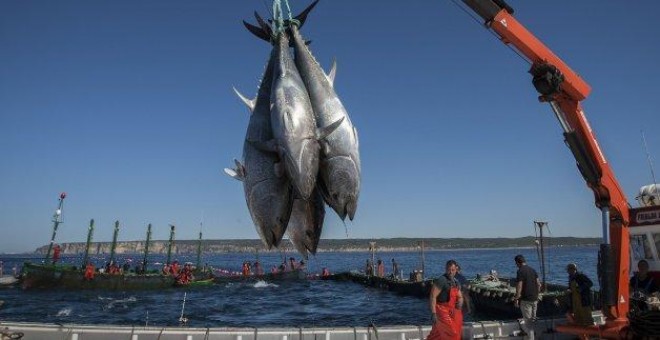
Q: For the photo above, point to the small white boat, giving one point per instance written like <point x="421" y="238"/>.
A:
<point x="8" y="280"/>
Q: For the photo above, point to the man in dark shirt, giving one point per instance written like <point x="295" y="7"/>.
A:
<point x="641" y="286"/>
<point x="528" y="286"/>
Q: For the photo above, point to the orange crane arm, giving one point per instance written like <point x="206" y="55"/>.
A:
<point x="564" y="89"/>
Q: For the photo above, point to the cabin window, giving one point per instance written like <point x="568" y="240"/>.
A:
<point x="641" y="247"/>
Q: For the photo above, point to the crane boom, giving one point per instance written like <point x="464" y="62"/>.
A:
<point x="564" y="89"/>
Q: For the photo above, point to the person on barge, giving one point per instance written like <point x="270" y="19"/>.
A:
<point x="580" y="301"/>
<point x="528" y="287"/>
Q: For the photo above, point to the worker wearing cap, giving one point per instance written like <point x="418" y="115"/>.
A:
<point x="580" y="301"/>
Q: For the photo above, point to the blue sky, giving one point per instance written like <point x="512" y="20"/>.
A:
<point x="127" y="106"/>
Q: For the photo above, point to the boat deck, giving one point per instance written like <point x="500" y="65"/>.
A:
<point x="473" y="330"/>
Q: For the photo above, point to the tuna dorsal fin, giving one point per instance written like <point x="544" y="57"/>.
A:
<point x="257" y="31"/>
<point x="322" y="133"/>
<point x="265" y="146"/>
<point x="233" y="174"/>
<point x="333" y="72"/>
<point x="249" y="102"/>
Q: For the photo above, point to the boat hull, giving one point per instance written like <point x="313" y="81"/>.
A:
<point x="419" y="289"/>
<point x="496" y="299"/>
<point x="37" y="276"/>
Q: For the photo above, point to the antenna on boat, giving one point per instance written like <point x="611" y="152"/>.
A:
<point x="541" y="225"/>
<point x="113" y="247"/>
<point x="648" y="157"/>
<point x="372" y="247"/>
<point x="421" y="246"/>
<point x="183" y="320"/>
<point x="57" y="220"/>
<point x="653" y="192"/>
<point x="170" y="243"/>
<point x="146" y="249"/>
<point x="199" y="244"/>
<point x="90" y="235"/>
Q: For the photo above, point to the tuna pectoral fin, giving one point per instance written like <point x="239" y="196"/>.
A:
<point x="333" y="72"/>
<point x="233" y="174"/>
<point x="265" y="146"/>
<point x="321" y="133"/>
<point x="257" y="31"/>
<point x="249" y="102"/>
<point x="240" y="168"/>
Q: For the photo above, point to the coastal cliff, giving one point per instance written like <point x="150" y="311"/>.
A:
<point x="326" y="245"/>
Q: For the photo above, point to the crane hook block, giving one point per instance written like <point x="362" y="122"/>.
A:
<point x="547" y="79"/>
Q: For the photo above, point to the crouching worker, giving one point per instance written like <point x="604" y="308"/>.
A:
<point x="446" y="302"/>
<point x="580" y="302"/>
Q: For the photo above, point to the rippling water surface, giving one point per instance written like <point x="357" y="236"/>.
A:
<point x="307" y="303"/>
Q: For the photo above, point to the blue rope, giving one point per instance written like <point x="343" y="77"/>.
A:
<point x="279" y="17"/>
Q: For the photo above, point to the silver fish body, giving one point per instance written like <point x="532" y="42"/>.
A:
<point x="340" y="169"/>
<point x="293" y="124"/>
<point x="306" y="223"/>
<point x="268" y="194"/>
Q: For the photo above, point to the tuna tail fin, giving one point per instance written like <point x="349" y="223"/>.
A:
<point x="257" y="31"/>
<point x="303" y="15"/>
<point x="249" y="102"/>
<point x="322" y="133"/>
<point x="333" y="72"/>
<point x="265" y="31"/>
<point x="263" y="24"/>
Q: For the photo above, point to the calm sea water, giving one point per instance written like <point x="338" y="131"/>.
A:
<point x="310" y="303"/>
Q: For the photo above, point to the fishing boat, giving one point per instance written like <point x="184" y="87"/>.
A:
<point x="42" y="276"/>
<point x="8" y="281"/>
<point x="420" y="289"/>
<point x="495" y="298"/>
<point x="49" y="274"/>
<point x="471" y="330"/>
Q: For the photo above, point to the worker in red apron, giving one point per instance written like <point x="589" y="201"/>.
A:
<point x="446" y="301"/>
<point x="56" y="253"/>
<point x="89" y="271"/>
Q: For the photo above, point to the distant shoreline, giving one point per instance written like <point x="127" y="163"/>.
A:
<point x="325" y="245"/>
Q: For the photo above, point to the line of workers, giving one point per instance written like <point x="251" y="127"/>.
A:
<point x="380" y="269"/>
<point x="183" y="275"/>
<point x="248" y="269"/>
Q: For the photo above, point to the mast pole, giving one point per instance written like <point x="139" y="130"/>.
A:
<point x="170" y="244"/>
<point x="114" y="242"/>
<point x="199" y="252"/>
<point x="373" y="257"/>
<point x="423" y="261"/>
<point x="90" y="235"/>
<point x="57" y="219"/>
<point x="542" y="224"/>
<point x="146" y="248"/>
